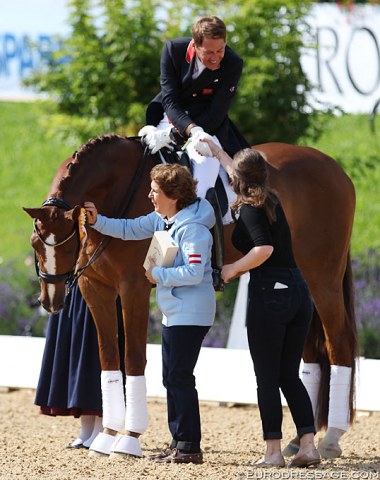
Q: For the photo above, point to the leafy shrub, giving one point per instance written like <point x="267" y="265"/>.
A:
<point x="19" y="310"/>
<point x="109" y="66"/>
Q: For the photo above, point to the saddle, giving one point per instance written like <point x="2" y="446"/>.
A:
<point x="182" y="158"/>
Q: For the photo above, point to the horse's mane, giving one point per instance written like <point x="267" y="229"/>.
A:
<point x="84" y="151"/>
<point x="93" y="143"/>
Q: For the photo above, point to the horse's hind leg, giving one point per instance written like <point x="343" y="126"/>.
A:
<point x="340" y="350"/>
<point x="329" y="362"/>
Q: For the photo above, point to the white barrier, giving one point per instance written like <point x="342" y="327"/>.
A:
<point x="223" y="375"/>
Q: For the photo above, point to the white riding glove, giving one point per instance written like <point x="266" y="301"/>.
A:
<point x="196" y="134"/>
<point x="156" y="139"/>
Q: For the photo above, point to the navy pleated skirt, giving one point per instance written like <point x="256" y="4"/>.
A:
<point x="69" y="382"/>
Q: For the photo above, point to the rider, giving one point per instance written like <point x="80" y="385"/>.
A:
<point x="199" y="78"/>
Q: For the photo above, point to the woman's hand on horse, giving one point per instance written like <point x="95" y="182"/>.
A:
<point x="91" y="212"/>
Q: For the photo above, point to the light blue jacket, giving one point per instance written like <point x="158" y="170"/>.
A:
<point x="185" y="293"/>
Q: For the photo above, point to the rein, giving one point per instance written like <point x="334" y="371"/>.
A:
<point x="71" y="278"/>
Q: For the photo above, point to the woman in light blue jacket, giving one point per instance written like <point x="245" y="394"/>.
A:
<point x="184" y="293"/>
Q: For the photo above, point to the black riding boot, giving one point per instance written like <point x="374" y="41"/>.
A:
<point x="217" y="257"/>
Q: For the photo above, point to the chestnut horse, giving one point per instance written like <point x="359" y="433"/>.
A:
<point x="113" y="172"/>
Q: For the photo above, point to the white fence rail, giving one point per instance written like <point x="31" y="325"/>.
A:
<point x="223" y="375"/>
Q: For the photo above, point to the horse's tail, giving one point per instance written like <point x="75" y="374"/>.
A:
<point x="351" y="328"/>
<point x="323" y="360"/>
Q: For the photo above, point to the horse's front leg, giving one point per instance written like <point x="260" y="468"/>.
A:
<point x="102" y="304"/>
<point x="135" y="304"/>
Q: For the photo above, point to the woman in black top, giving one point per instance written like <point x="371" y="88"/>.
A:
<point x="279" y="308"/>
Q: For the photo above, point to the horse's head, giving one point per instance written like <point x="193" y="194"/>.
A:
<point x="55" y="240"/>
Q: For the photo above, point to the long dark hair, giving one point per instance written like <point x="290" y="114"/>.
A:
<point x="250" y="182"/>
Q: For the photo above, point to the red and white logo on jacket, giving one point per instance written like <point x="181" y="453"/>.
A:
<point x="195" y="259"/>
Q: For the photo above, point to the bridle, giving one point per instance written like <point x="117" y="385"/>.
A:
<point x="50" y="277"/>
<point x="70" y="278"/>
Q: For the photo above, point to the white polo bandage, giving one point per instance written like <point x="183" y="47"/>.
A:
<point x="113" y="399"/>
<point x="136" y="419"/>
<point x="339" y="400"/>
<point x="311" y="378"/>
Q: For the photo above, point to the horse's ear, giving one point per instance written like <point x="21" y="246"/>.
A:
<point x="34" y="212"/>
<point x="74" y="213"/>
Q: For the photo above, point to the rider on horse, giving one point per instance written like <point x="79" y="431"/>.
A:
<point x="199" y="78"/>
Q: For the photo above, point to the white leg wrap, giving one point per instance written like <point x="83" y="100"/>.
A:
<point x="311" y="378"/>
<point x="136" y="419"/>
<point x="113" y="400"/>
<point x="339" y="404"/>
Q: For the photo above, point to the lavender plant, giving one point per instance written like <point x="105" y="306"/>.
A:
<point x="366" y="270"/>
<point x="20" y="315"/>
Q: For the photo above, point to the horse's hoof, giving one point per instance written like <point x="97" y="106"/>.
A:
<point x="329" y="450"/>
<point x="291" y="449"/>
<point x="127" y="445"/>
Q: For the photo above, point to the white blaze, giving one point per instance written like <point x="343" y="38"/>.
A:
<point x="51" y="266"/>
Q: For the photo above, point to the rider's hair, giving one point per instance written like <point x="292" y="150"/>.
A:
<point x="176" y="182"/>
<point x="208" y="27"/>
<point x="250" y="182"/>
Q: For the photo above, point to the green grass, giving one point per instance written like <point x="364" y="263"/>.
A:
<point x="29" y="159"/>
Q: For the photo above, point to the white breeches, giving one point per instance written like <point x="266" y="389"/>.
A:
<point x="206" y="171"/>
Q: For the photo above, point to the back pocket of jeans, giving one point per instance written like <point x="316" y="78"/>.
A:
<point x="276" y="300"/>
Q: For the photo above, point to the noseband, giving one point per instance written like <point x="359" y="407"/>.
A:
<point x="49" y="277"/>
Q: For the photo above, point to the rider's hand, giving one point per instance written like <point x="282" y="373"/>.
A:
<point x="156" y="139"/>
<point x="91" y="212"/>
<point x="197" y="134"/>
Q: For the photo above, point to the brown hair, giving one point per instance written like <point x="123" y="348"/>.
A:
<point x="250" y="182"/>
<point x="176" y="182"/>
<point x="208" y="27"/>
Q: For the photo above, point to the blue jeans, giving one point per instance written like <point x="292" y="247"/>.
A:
<point x="278" y="320"/>
<point x="180" y="350"/>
